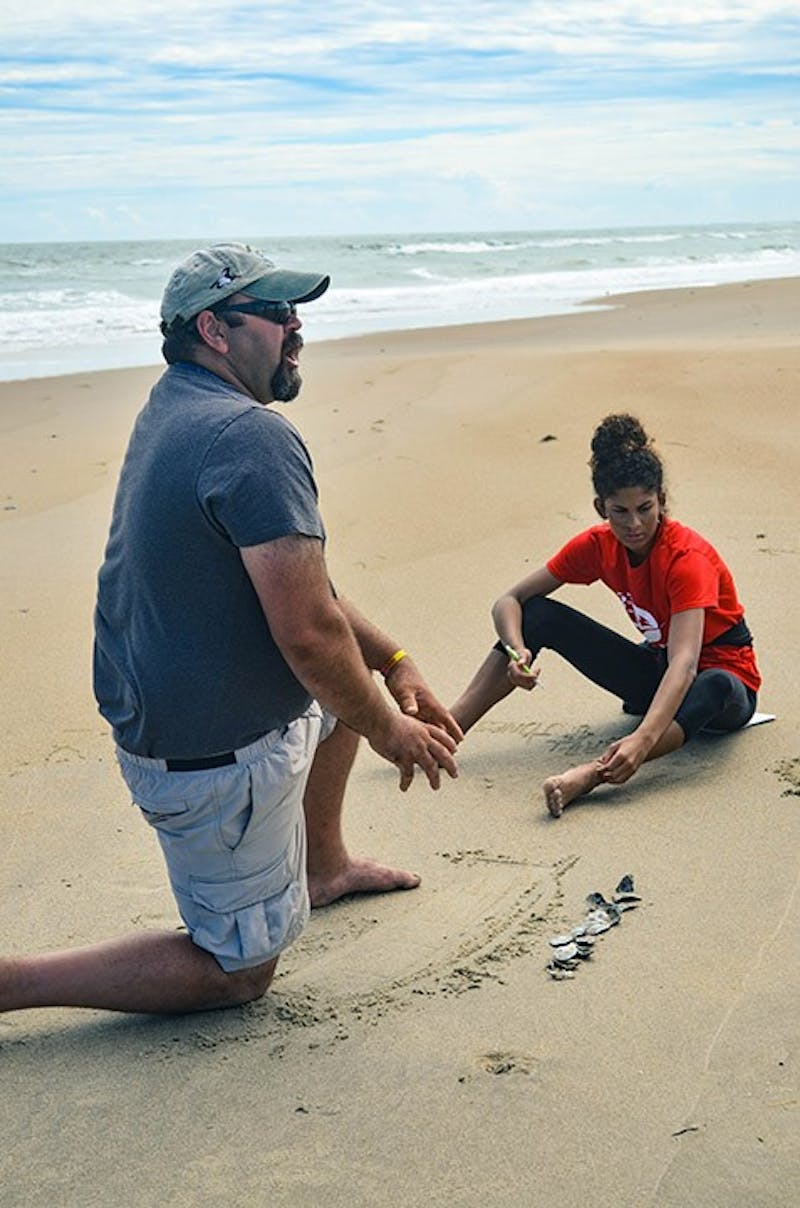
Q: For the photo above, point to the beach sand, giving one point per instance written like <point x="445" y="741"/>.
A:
<point x="414" y="1049"/>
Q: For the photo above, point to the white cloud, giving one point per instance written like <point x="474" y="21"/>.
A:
<point x="511" y="100"/>
<point x="51" y="73"/>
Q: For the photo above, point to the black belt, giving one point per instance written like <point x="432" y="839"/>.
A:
<point x="737" y="635"/>
<point x="200" y="765"/>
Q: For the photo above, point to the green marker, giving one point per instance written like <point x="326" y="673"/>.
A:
<point x="517" y="658"/>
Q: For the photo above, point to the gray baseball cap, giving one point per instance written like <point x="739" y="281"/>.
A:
<point x="212" y="274"/>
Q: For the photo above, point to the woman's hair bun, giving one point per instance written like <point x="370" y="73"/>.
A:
<point x="618" y="434"/>
<point x="623" y="456"/>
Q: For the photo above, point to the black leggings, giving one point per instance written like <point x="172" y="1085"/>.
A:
<point x="717" y="699"/>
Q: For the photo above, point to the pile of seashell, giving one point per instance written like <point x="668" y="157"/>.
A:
<point x="578" y="944"/>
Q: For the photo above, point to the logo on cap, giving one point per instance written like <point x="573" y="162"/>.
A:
<point x="226" y="277"/>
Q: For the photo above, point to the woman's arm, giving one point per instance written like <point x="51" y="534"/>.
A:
<point x="623" y="758"/>
<point x="498" y="674"/>
<point x="507" y="612"/>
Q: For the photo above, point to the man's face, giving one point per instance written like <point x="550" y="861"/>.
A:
<point x="286" y="380"/>
<point x="263" y="354"/>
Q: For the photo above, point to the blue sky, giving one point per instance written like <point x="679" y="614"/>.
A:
<point x="142" y="119"/>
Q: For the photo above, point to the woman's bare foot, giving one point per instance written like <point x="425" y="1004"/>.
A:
<point x="559" y="791"/>
<point x="358" y="876"/>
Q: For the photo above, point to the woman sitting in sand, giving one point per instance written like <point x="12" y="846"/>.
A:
<point x="695" y="669"/>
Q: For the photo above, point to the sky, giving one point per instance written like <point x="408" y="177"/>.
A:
<point x="138" y="119"/>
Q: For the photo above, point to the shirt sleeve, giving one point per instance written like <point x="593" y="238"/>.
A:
<point x="692" y="582"/>
<point x="579" y="561"/>
<point x="257" y="481"/>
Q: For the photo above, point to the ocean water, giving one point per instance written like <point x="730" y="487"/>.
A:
<point x="66" y="307"/>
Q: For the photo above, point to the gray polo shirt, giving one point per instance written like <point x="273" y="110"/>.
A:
<point x="185" y="665"/>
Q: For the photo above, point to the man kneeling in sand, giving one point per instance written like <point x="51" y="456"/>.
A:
<point x="235" y="680"/>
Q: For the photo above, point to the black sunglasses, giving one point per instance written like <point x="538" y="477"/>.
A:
<point x="276" y="312"/>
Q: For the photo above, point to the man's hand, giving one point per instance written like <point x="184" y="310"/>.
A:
<point x="407" y="743"/>
<point x="415" y="698"/>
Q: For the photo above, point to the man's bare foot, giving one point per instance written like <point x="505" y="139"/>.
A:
<point x="359" y="876"/>
<point x="559" y="791"/>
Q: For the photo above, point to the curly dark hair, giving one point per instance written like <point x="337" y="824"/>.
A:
<point x="180" y="340"/>
<point x="623" y="455"/>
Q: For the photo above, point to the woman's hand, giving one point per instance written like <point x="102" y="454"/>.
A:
<point x="520" y="673"/>
<point x="623" y="758"/>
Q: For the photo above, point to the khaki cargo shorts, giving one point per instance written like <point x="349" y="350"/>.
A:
<point x="234" y="841"/>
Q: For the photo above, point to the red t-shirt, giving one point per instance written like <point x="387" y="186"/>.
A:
<point x="682" y="571"/>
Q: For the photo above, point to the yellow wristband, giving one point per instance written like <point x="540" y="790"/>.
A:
<point x="397" y="657"/>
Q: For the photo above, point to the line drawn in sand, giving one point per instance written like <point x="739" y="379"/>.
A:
<point x="466" y="932"/>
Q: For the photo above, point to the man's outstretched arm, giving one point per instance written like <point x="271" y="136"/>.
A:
<point x="314" y="634"/>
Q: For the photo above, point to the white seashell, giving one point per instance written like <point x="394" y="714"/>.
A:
<point x="566" y="954"/>
<point x="596" y="926"/>
<point x="559" y="940"/>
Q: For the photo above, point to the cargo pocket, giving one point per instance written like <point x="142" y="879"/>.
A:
<point x="163" y="815"/>
<point x="248" y="920"/>
<point x="162" y="802"/>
